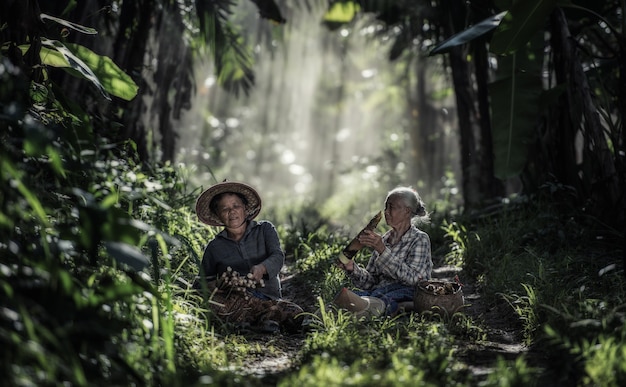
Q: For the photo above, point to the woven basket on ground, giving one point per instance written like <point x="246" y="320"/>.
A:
<point x="444" y="298"/>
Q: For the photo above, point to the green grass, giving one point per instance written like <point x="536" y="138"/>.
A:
<point x="74" y="312"/>
<point x="344" y="350"/>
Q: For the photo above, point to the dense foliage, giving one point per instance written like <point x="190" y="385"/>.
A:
<point x="538" y="86"/>
<point x="76" y="307"/>
<point x="97" y="251"/>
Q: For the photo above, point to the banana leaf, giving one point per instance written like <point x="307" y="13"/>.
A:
<point x="71" y="61"/>
<point x="515" y="107"/>
<point x="519" y="25"/>
<point x="100" y="70"/>
<point x="469" y="34"/>
<point x="113" y="79"/>
<point x="68" y="24"/>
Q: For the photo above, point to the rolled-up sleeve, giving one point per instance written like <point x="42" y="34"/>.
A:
<point x="415" y="266"/>
<point x="362" y="278"/>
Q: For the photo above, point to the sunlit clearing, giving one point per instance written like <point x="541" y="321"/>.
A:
<point x="372" y="169"/>
<point x="303" y="183"/>
<point x="370" y="29"/>
<point x="209" y="81"/>
<point x="301" y="187"/>
<point x="368" y="73"/>
<point x="342" y="135"/>
<point x="287" y="157"/>
<point x="232" y="122"/>
<point x="217" y="133"/>
<point x="214" y="122"/>
<point x="296" y="169"/>
<point x="493" y="63"/>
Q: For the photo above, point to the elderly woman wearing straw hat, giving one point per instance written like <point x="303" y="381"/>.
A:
<point x="400" y="258"/>
<point x="245" y="249"/>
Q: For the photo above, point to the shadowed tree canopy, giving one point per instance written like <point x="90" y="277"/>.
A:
<point x="539" y="85"/>
<point x="539" y="88"/>
<point x="152" y="41"/>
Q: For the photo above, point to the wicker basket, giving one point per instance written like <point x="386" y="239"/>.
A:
<point x="444" y="298"/>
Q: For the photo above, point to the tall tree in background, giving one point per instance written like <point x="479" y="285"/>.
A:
<point x="415" y="26"/>
<point x="154" y="41"/>
<point x="549" y="111"/>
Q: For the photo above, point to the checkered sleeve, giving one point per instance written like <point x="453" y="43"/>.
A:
<point x="362" y="278"/>
<point x="406" y="262"/>
<point x="411" y="264"/>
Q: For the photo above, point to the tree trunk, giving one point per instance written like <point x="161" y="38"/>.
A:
<point x="135" y="22"/>
<point x="620" y="140"/>
<point x="466" y="111"/>
<point x="491" y="186"/>
<point x="599" y="178"/>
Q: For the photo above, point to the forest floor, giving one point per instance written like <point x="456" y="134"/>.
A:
<point x="503" y="335"/>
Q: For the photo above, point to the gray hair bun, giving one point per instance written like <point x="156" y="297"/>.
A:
<point x="413" y="200"/>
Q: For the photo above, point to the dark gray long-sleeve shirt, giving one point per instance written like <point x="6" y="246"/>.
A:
<point x="259" y="245"/>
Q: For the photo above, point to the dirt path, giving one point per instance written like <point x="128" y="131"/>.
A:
<point x="503" y="339"/>
<point x="503" y="336"/>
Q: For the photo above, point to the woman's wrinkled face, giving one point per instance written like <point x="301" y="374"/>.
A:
<point x="231" y="210"/>
<point x="396" y="212"/>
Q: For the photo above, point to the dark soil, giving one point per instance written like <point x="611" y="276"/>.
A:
<point x="504" y="338"/>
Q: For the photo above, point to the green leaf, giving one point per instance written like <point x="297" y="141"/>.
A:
<point x="523" y="20"/>
<point x="75" y="63"/>
<point x="127" y="254"/>
<point x="56" y="161"/>
<point x="5" y="221"/>
<point x="30" y="197"/>
<point x="477" y="30"/>
<point x="50" y="57"/>
<point x="515" y="102"/>
<point x="99" y="70"/>
<point x="342" y="12"/>
<point x="113" y="79"/>
<point x="68" y="24"/>
<point x="117" y="227"/>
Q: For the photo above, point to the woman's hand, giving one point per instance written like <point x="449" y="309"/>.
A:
<point x="349" y="267"/>
<point x="371" y="239"/>
<point x="258" y="271"/>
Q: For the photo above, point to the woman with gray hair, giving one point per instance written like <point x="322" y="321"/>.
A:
<point x="401" y="257"/>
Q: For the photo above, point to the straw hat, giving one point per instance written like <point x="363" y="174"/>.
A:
<point x="359" y="305"/>
<point x="203" y="210"/>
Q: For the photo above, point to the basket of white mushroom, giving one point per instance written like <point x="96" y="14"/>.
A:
<point x="441" y="297"/>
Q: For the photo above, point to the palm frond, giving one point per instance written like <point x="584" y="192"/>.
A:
<point x="232" y="58"/>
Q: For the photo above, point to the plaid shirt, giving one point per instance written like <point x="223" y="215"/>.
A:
<point x="407" y="262"/>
